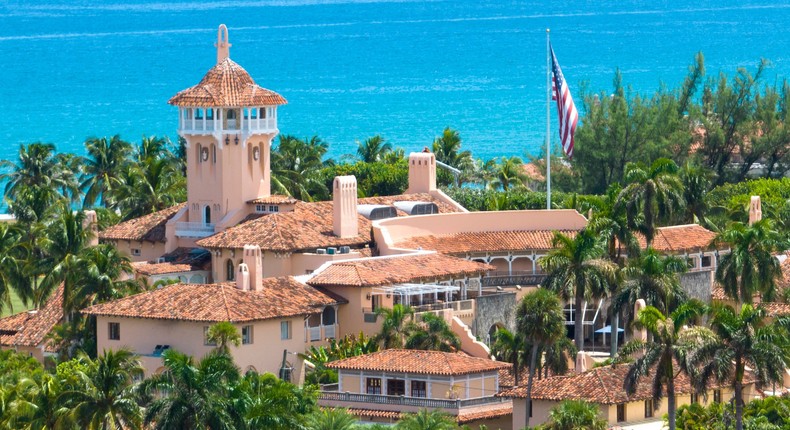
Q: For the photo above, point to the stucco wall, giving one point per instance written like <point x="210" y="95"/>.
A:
<point x="698" y="284"/>
<point x="148" y="250"/>
<point x="494" y="309"/>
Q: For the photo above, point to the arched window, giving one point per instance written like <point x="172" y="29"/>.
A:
<point x="231" y="113"/>
<point x="230" y="273"/>
<point x="207" y="215"/>
<point x="328" y="316"/>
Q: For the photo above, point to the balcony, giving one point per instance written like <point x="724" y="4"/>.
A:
<point x="194" y="229"/>
<point x="189" y="124"/>
<point x="318" y="333"/>
<point x="329" y="397"/>
<point x="504" y="279"/>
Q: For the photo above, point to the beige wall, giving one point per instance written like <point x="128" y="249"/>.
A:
<point x="264" y="353"/>
<point x="437" y="387"/>
<point x="351" y="316"/>
<point x="148" y="250"/>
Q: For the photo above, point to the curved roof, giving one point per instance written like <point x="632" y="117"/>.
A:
<point x="227" y="85"/>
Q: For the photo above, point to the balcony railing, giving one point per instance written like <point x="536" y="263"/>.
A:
<point x="501" y="279"/>
<point x="201" y="126"/>
<point x="194" y="229"/>
<point x="381" y="399"/>
<point x="313" y="334"/>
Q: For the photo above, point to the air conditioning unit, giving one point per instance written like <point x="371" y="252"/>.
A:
<point x="345" y="249"/>
<point x="320" y="251"/>
<point x="160" y="260"/>
<point x="331" y="251"/>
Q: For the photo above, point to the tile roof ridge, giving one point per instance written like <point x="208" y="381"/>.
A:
<point x="225" y="301"/>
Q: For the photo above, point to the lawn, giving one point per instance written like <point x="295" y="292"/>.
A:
<point x="17" y="303"/>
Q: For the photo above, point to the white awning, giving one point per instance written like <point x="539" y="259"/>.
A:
<point x="404" y="290"/>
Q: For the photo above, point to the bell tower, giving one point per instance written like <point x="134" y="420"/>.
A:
<point x="229" y="123"/>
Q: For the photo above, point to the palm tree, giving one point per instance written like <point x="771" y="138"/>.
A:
<point x="509" y="347"/>
<point x="373" y="149"/>
<point x="271" y="403"/>
<point x="102" y="275"/>
<point x="107" y="401"/>
<point x="331" y="419"/>
<point x="37" y="167"/>
<point x="295" y="166"/>
<point x="106" y="159"/>
<point x="577" y="272"/>
<point x="65" y="239"/>
<point x="194" y="395"/>
<point x="557" y="355"/>
<point x="541" y="321"/>
<point x="152" y="185"/>
<point x="12" y="254"/>
<point x="433" y="334"/>
<point x="697" y="182"/>
<point x="394" y="327"/>
<point x="152" y="147"/>
<point x="738" y="340"/>
<point x="658" y="358"/>
<point x="612" y="222"/>
<point x="575" y="415"/>
<point x="653" y="193"/>
<point x="750" y="267"/>
<point x="654" y="278"/>
<point x="223" y="334"/>
<point x="508" y="173"/>
<point x="447" y="149"/>
<point x="427" y="420"/>
<point x="38" y="404"/>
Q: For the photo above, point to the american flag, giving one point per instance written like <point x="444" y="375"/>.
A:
<point x="568" y="115"/>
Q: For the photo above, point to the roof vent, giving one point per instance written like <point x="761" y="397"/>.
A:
<point x="320" y="251"/>
<point x="331" y="251"/>
<point x="374" y="212"/>
<point x="345" y="249"/>
<point x="417" y="208"/>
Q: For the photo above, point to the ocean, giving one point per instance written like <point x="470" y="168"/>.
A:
<point x="349" y="69"/>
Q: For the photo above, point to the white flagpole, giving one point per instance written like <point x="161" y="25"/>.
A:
<point x="548" y="122"/>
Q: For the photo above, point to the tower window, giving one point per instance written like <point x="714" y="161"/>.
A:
<point x="254" y="113"/>
<point x="230" y="274"/>
<point x="198" y="113"/>
<point x="207" y="211"/>
<point x="209" y="113"/>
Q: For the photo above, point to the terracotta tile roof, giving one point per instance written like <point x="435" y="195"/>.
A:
<point x="414" y="361"/>
<point x="148" y="228"/>
<point x="602" y="385"/>
<point x="372" y="413"/>
<point x="680" y="238"/>
<point x="487" y="241"/>
<point x="309" y="226"/>
<point x="533" y="171"/>
<point x="275" y="199"/>
<point x="31" y="328"/>
<point x="396" y="269"/>
<point x="227" y="85"/>
<point x="280" y="297"/>
<point x="178" y="261"/>
<point x="484" y="412"/>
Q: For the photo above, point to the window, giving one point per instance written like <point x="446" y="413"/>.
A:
<point x="206" y="341"/>
<point x="328" y="316"/>
<point x="717" y="396"/>
<point x="707" y="261"/>
<point x="621" y="412"/>
<point x="373" y="386"/>
<point x="246" y="335"/>
<point x="396" y="387"/>
<point x="207" y="209"/>
<point x="418" y="389"/>
<point x="274" y="208"/>
<point x="230" y="273"/>
<point x="260" y="208"/>
<point x="254" y="113"/>
<point x="136" y="252"/>
<point x="198" y="113"/>
<point x="694" y="398"/>
<point x="114" y="331"/>
<point x="649" y="408"/>
<point x="209" y="113"/>
<point x="285" y="330"/>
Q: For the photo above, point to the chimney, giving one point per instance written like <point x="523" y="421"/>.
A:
<point x="344" y="211"/>
<point x="583" y="362"/>
<point x="422" y="172"/>
<point x="755" y="210"/>
<point x="223" y="46"/>
<point x="243" y="277"/>
<point x="91" y="222"/>
<point x="253" y="262"/>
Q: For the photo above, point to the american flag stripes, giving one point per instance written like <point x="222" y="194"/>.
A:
<point x="568" y="115"/>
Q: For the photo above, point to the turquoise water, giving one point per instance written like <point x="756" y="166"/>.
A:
<point x="351" y="69"/>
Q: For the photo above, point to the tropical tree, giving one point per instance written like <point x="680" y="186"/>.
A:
<point x="37" y="167"/>
<point x="541" y="321"/>
<point x="271" y="403"/>
<point x="66" y="237"/>
<point x="658" y="359"/>
<point x="37" y="404"/>
<point x="373" y="149"/>
<point x="432" y="333"/>
<point x="509" y="347"/>
<point x="575" y="415"/>
<point x="427" y="420"/>
<point x="102" y="274"/>
<point x="738" y="340"/>
<point x="749" y="268"/>
<point x="447" y="149"/>
<point x="152" y="147"/>
<point x="106" y="159"/>
<point x="331" y="419"/>
<point x="12" y="254"/>
<point x="107" y="401"/>
<point x="508" y="173"/>
<point x="611" y="222"/>
<point x="194" y="395"/>
<point x="295" y="166"/>
<point x="394" y="326"/>
<point x="652" y="194"/>
<point x="223" y="334"/>
<point x="653" y="278"/>
<point x="577" y="272"/>
<point x="149" y="186"/>
<point x="556" y="357"/>
<point x="696" y="185"/>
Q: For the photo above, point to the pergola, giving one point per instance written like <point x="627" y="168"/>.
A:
<point x="407" y="292"/>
